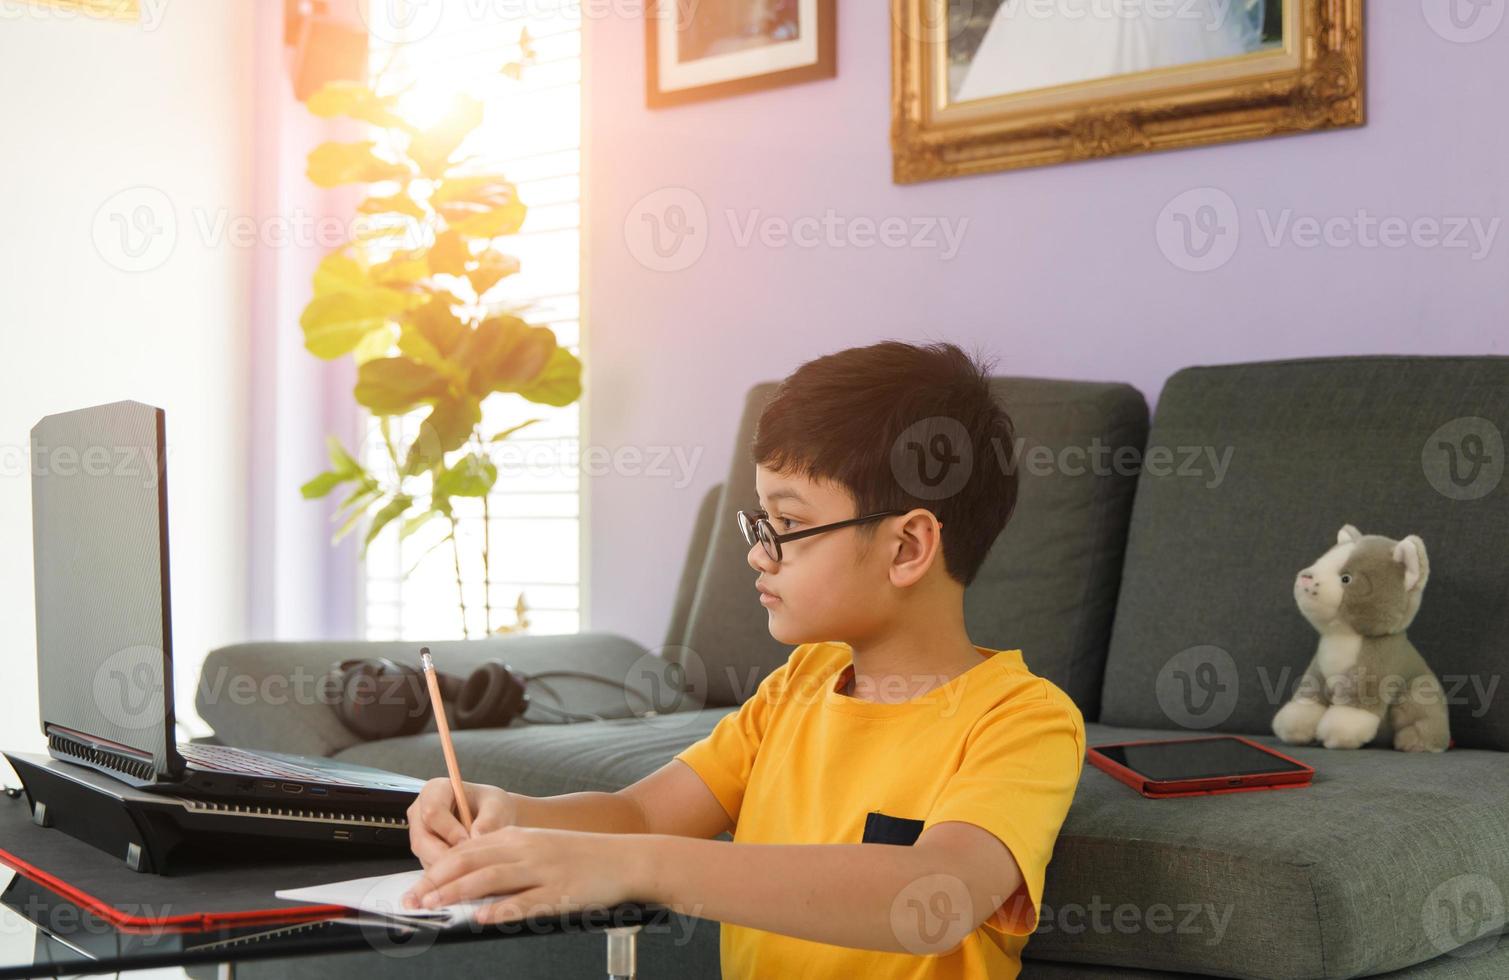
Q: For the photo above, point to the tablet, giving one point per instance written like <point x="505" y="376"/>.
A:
<point x="1198" y="766"/>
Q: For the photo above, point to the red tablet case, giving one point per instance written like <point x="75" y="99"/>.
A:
<point x="1206" y="785"/>
<point x="185" y="922"/>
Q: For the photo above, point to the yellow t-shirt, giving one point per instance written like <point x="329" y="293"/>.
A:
<point x="802" y="763"/>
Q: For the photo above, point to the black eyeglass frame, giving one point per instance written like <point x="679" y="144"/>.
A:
<point x="752" y="523"/>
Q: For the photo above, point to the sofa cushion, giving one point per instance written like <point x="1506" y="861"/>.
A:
<point x="274" y="695"/>
<point x="1048" y="586"/>
<point x="1387" y="859"/>
<point x="1207" y="635"/>
<point x="1488" y="964"/>
<point x="545" y="759"/>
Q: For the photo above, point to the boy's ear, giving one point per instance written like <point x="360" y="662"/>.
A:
<point x="921" y="546"/>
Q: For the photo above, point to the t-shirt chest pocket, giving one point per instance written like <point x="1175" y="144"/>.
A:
<point x="881" y="828"/>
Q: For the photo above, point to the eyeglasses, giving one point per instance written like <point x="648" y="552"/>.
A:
<point x="755" y="526"/>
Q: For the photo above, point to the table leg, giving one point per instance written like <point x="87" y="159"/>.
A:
<point x="622" y="953"/>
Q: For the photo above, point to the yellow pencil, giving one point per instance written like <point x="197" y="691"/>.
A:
<point x="462" y="807"/>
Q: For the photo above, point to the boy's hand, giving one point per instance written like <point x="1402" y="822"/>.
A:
<point x="434" y="827"/>
<point x="539" y="869"/>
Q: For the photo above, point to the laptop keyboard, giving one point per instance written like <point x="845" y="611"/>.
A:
<point x="224" y="758"/>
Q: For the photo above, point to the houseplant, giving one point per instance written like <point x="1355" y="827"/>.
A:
<point x="409" y="299"/>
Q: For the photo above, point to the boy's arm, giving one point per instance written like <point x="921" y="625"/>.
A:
<point x="671" y="800"/>
<point x="922" y="899"/>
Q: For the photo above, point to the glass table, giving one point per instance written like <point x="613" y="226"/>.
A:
<point x="43" y="934"/>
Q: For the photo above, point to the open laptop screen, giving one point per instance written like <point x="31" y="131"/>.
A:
<point x="100" y="548"/>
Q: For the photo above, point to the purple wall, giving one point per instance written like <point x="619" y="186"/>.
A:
<point x="1060" y="271"/>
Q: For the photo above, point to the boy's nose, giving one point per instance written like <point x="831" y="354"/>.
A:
<point x="758" y="559"/>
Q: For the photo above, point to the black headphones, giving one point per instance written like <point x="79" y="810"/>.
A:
<point x="381" y="698"/>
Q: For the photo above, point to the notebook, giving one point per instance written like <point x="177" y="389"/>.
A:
<point x="383" y="895"/>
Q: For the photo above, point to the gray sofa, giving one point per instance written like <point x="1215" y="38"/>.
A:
<point x="1147" y="572"/>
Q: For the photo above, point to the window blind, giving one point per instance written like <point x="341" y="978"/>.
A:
<point x="531" y="135"/>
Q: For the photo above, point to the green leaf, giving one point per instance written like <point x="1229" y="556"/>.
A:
<point x="505" y="354"/>
<point x="333" y="164"/>
<point x="427" y="552"/>
<point x="559" y="384"/>
<point x="492" y="267"/>
<point x="340" y="460"/>
<point x="393" y="509"/>
<point x="404" y="269"/>
<point x="477" y="190"/>
<point x="482" y="206"/>
<point x="438" y="324"/>
<point x="394" y="385"/>
<point x="321" y="485"/>
<point x="493" y="223"/>
<point x="357" y="502"/>
<point x="356" y="101"/>
<point x="334" y="324"/>
<point x="450" y="254"/>
<point x="512" y="429"/>
<point x="340" y="273"/>
<point x="400" y="203"/>
<point x="413" y="524"/>
<point x="366" y="492"/>
<point x="446" y="429"/>
<point x="432" y="148"/>
<point x="471" y="476"/>
<point x="378" y="343"/>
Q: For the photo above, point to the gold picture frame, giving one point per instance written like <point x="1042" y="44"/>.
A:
<point x="1314" y="80"/>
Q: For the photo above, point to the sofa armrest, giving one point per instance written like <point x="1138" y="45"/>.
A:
<point x="273" y="695"/>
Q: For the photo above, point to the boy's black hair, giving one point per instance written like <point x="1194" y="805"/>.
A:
<point x="900" y="426"/>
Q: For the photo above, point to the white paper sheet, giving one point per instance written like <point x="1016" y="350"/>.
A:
<point x="383" y="895"/>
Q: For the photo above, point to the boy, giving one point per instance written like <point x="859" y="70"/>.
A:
<point x="879" y="495"/>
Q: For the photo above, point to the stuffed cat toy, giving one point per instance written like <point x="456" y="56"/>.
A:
<point x="1366" y="682"/>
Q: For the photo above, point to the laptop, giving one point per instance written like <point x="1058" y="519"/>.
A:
<point x="104" y="629"/>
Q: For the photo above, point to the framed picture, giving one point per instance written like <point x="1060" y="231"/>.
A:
<point x="1001" y="84"/>
<point x="706" y="49"/>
